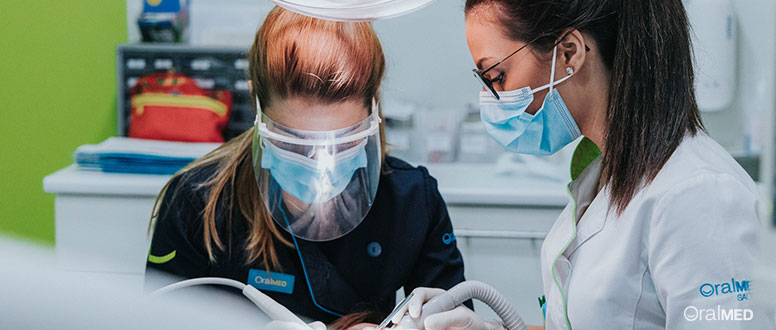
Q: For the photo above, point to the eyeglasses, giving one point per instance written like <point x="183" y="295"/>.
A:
<point x="479" y="74"/>
<point x="488" y="83"/>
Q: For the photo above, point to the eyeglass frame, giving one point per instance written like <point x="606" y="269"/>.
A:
<point x="479" y="74"/>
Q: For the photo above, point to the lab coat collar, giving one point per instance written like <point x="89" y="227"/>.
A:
<point x="565" y="229"/>
<point x="584" y="154"/>
<point x="585" y="172"/>
<point x="595" y="204"/>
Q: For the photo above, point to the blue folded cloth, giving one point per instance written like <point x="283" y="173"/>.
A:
<point x="128" y="155"/>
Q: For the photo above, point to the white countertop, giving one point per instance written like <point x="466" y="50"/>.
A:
<point x="478" y="184"/>
<point x="468" y="184"/>
<point x="70" y="180"/>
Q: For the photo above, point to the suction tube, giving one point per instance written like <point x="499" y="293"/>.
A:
<point x="269" y="306"/>
<point x="474" y="290"/>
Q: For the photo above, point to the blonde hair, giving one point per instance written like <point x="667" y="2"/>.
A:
<point x="292" y="56"/>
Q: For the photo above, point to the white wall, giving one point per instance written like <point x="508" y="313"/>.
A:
<point x="429" y="64"/>
<point x="756" y="53"/>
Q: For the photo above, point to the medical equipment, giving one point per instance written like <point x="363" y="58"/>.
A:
<point x="164" y="20"/>
<point x="327" y="180"/>
<point x="714" y="45"/>
<point x="175" y="107"/>
<point x="474" y="144"/>
<point x="542" y="133"/>
<point x="267" y="305"/>
<point x="218" y="68"/>
<point x="353" y="10"/>
<point x="440" y="131"/>
<point x="472" y="290"/>
<point x="396" y="310"/>
<point x="401" y="134"/>
<point x="38" y="294"/>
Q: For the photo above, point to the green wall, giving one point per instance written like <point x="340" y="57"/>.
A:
<point x="58" y="91"/>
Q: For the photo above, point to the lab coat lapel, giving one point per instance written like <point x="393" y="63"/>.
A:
<point x="331" y="290"/>
<point x="585" y="169"/>
<point x="558" y="271"/>
<point x="584" y="192"/>
<point x="593" y="221"/>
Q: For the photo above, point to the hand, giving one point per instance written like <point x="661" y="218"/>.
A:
<point x="414" y="306"/>
<point x="460" y="318"/>
<point x="285" y="325"/>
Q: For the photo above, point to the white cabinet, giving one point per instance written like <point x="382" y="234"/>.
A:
<point x="501" y="246"/>
<point x="102" y="226"/>
<point x="500" y="223"/>
<point x="101" y="223"/>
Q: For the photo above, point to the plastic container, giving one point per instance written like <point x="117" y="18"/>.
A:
<point x="474" y="143"/>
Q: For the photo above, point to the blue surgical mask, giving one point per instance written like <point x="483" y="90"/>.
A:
<point x="544" y="133"/>
<point x="309" y="180"/>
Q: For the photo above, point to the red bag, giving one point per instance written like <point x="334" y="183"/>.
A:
<point x="170" y="106"/>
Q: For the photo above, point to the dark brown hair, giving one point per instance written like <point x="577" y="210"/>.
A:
<point x="645" y="46"/>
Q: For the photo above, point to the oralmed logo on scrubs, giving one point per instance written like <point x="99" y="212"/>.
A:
<point x="277" y="282"/>
<point x="739" y="288"/>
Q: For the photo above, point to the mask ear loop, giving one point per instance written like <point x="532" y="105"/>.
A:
<point x="552" y="71"/>
<point x="376" y="110"/>
<point x="553" y="83"/>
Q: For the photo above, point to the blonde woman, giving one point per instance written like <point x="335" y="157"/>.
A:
<point x="307" y="206"/>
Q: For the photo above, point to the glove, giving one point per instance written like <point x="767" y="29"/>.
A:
<point x="413" y="307"/>
<point x="459" y="318"/>
<point x="285" y="325"/>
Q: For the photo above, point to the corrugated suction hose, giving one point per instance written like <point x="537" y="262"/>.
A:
<point x="474" y="290"/>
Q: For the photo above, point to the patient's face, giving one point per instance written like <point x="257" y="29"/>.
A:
<point x="312" y="115"/>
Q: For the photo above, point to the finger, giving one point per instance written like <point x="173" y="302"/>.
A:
<point x="415" y="306"/>
<point x="416" y="299"/>
<point x="422" y="295"/>
<point x="460" y="317"/>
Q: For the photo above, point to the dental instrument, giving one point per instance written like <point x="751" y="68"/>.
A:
<point x="398" y="307"/>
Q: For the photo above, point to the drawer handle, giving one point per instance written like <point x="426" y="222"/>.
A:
<point x="474" y="233"/>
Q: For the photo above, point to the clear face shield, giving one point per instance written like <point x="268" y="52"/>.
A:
<point x="318" y="185"/>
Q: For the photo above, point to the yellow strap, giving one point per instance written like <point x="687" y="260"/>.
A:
<point x="191" y="101"/>
<point x="160" y="260"/>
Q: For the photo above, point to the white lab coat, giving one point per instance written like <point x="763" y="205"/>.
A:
<point x="692" y="229"/>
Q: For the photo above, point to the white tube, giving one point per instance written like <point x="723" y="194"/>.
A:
<point x="474" y="290"/>
<point x="199" y="281"/>
<point x="272" y="308"/>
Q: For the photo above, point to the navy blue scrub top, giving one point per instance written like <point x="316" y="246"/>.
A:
<point x="405" y="240"/>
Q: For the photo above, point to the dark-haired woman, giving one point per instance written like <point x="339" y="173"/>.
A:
<point x="661" y="224"/>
